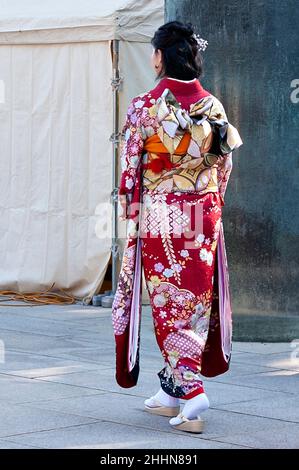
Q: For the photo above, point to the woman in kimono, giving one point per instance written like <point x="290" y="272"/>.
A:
<point x="177" y="146"/>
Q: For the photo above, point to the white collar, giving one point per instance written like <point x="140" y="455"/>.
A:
<point x="185" y="81"/>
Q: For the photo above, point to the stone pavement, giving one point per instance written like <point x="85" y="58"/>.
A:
<point x="57" y="388"/>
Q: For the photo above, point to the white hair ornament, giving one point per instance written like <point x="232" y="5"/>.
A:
<point x="202" y="43"/>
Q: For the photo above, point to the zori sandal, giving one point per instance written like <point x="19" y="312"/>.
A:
<point x="152" y="405"/>
<point x="182" y="423"/>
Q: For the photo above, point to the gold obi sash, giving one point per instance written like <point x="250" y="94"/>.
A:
<point x="204" y="135"/>
<point x="166" y="171"/>
<point x="159" y="156"/>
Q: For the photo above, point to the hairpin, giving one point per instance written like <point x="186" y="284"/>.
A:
<point x="202" y="43"/>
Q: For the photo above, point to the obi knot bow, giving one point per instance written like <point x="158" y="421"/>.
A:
<point x="206" y="121"/>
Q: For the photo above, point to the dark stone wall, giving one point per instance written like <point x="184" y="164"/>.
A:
<point x="252" y="66"/>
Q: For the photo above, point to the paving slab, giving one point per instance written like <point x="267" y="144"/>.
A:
<point x="281" y="360"/>
<point x="13" y="445"/>
<point x="109" y="435"/>
<point x="262" y="348"/>
<point x="30" y="365"/>
<point x="252" y="431"/>
<point x="277" y="406"/>
<point x="282" y="380"/>
<point x="37" y="325"/>
<point x="100" y="355"/>
<point x="44" y="344"/>
<point x="105" y="381"/>
<point x="21" y="390"/>
<point x="22" y="419"/>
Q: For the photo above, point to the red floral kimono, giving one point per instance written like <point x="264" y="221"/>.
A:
<point x="175" y="168"/>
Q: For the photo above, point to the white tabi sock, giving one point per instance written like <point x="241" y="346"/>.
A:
<point x="165" y="399"/>
<point x="195" y="406"/>
<point x="192" y="408"/>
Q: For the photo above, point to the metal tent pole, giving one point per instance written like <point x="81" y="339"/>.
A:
<point x="106" y="299"/>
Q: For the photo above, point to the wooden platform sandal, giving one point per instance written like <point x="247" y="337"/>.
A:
<point x="152" y="405"/>
<point x="182" y="423"/>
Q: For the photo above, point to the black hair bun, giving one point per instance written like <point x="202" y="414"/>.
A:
<point x="184" y="31"/>
<point x="180" y="52"/>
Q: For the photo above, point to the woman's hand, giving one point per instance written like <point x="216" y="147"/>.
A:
<point x="124" y="205"/>
<point x="222" y="158"/>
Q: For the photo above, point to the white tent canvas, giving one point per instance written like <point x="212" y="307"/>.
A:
<point x="55" y="125"/>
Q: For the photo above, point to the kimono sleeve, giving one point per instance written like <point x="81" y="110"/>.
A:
<point x="230" y="141"/>
<point x="223" y="173"/>
<point x="131" y="147"/>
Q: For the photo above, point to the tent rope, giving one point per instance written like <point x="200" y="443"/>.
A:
<point x="37" y="298"/>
